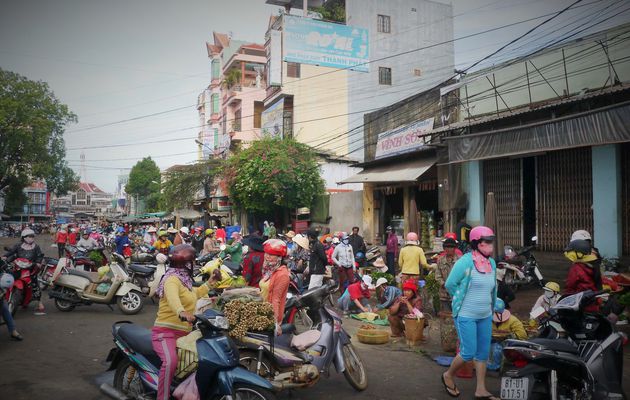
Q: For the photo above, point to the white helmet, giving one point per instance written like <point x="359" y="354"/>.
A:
<point x="161" y="258"/>
<point x="6" y="281"/>
<point x="27" y="232"/>
<point x="184" y="230"/>
<point x="581" y="235"/>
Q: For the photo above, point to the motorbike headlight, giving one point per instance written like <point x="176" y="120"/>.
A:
<point x="220" y="323"/>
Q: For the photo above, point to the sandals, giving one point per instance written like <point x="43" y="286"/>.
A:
<point x="452" y="391"/>
<point x="17" y="337"/>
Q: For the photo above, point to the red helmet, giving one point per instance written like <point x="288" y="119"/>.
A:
<point x="450" y="235"/>
<point x="275" y="247"/>
<point x="481" y="233"/>
<point x="182" y="256"/>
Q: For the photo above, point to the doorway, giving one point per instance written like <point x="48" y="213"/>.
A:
<point x="529" y="199"/>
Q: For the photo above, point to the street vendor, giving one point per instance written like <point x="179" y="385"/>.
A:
<point x="275" y="282"/>
<point x="386" y="294"/>
<point x="412" y="258"/>
<point x="409" y="304"/>
<point x="210" y="244"/>
<point x="504" y="321"/>
<point x="444" y="267"/>
<point x="356" y="296"/>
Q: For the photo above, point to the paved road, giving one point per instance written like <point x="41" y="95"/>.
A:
<point x="63" y="357"/>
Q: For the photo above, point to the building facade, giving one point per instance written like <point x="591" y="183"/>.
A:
<point x="37" y="207"/>
<point x="88" y="200"/>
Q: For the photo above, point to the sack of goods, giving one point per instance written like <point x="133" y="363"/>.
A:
<point x="252" y="316"/>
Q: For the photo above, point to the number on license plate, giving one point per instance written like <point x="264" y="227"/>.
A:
<point x="514" y="388"/>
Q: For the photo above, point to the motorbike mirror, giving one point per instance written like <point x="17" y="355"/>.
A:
<point x="534" y="239"/>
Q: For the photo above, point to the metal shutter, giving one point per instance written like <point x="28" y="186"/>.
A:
<point x="503" y="177"/>
<point x="625" y="197"/>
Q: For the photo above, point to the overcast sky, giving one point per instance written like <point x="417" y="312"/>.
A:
<point x="112" y="60"/>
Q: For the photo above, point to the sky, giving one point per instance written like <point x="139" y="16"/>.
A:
<point x="114" y="60"/>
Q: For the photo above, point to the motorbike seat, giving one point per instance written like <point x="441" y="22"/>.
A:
<point x="234" y="267"/>
<point x="83" y="260"/>
<point x="139" y="340"/>
<point x="91" y="276"/>
<point x="562" y="345"/>
<point x="305" y="340"/>
<point x="142" y="269"/>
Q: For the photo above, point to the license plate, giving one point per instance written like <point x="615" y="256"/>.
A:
<point x="514" y="388"/>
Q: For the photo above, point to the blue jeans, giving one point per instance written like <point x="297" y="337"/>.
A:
<point x="7" y="317"/>
<point x="346" y="304"/>
<point x="391" y="263"/>
<point x="474" y="338"/>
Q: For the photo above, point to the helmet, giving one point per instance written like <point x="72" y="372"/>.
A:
<point x="335" y="240"/>
<point x="580" y="246"/>
<point x="449" y="242"/>
<point x="481" y="233"/>
<point x="450" y="235"/>
<point x="499" y="306"/>
<point x="184" y="230"/>
<point x="6" y="281"/>
<point x="275" y="247"/>
<point x="344" y="236"/>
<point x="182" y="256"/>
<point x="120" y="229"/>
<point x="388" y="229"/>
<point x="508" y="252"/>
<point x="412" y="237"/>
<point x="553" y="286"/>
<point x="27" y="232"/>
<point x="290" y="234"/>
<point x="161" y="258"/>
<point x="359" y="256"/>
<point x="209" y="232"/>
<point x="581" y="235"/>
<point x="235" y="235"/>
<point x="162" y="233"/>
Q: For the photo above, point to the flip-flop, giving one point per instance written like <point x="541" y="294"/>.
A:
<point x="452" y="391"/>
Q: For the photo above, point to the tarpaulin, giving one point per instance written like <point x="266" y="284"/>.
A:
<point x="603" y="126"/>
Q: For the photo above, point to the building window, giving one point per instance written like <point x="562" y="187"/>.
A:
<point x="237" y="121"/>
<point x="384" y="76"/>
<point x="293" y="70"/>
<point x="417" y="72"/>
<point x="81" y="195"/>
<point x="215" y="103"/>
<point x="216" y="138"/>
<point x="384" y="24"/>
<point x="216" y="69"/>
<point x="259" y="107"/>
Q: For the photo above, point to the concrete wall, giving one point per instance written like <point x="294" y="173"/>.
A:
<point x="333" y="172"/>
<point x="346" y="210"/>
<point x="414" y="24"/>
<point x="607" y="199"/>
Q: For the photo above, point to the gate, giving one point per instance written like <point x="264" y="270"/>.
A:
<point x="565" y="196"/>
<point x="503" y="177"/>
<point x="625" y="198"/>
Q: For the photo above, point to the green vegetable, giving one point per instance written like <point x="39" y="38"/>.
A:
<point x="376" y="275"/>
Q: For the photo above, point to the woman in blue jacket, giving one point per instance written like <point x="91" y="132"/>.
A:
<point x="472" y="284"/>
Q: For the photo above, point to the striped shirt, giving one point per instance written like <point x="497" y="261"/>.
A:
<point x="477" y="303"/>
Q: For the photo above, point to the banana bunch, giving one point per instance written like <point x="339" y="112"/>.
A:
<point x="248" y="316"/>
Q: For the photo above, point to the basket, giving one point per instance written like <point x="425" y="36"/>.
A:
<point x="448" y="333"/>
<point x="414" y="329"/>
<point x="373" y="336"/>
<point x="186" y="363"/>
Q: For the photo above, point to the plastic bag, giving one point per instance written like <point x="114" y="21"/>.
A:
<point x="496" y="356"/>
<point x="187" y="390"/>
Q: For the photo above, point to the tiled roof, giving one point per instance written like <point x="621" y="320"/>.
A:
<point x="90" y="187"/>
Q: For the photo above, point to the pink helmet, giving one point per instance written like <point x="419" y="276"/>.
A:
<point x="412" y="237"/>
<point x="481" y="233"/>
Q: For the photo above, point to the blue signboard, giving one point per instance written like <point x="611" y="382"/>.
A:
<point x="310" y="41"/>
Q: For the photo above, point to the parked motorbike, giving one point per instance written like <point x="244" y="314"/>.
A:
<point x="80" y="257"/>
<point x="296" y="361"/>
<point x="142" y="255"/>
<point x="213" y="357"/>
<point x="519" y="275"/>
<point x="72" y="287"/>
<point x="587" y="364"/>
<point x="46" y="272"/>
<point x="21" y="293"/>
<point x="148" y="276"/>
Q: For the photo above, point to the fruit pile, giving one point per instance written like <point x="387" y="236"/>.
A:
<point x="248" y="316"/>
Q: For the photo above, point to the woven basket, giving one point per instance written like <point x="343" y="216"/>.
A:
<point x="186" y="363"/>
<point x="373" y="336"/>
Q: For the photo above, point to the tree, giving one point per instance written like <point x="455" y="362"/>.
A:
<point x="144" y="183"/>
<point x="274" y="173"/>
<point x="32" y="123"/>
<point x="332" y="10"/>
<point x="181" y="183"/>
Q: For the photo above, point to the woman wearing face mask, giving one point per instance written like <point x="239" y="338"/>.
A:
<point x="28" y="249"/>
<point x="548" y="299"/>
<point x="472" y="284"/>
<point x="275" y="282"/>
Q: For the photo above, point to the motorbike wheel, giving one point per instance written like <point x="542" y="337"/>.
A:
<point x="509" y="281"/>
<point x="354" y="372"/>
<point x="248" y="392"/>
<point x="249" y="361"/>
<point x="64" y="305"/>
<point x="127" y="380"/>
<point x="131" y="303"/>
<point x="14" y="301"/>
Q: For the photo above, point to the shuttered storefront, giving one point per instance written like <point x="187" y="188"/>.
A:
<point x="565" y="196"/>
<point x="625" y="197"/>
<point x="503" y="177"/>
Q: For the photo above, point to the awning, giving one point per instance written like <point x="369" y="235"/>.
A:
<point x="408" y="171"/>
<point x="187" y="214"/>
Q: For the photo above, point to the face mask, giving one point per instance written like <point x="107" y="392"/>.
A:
<point x="548" y="294"/>
<point x="486" y="248"/>
<point x="29" y="240"/>
<point x="345" y="241"/>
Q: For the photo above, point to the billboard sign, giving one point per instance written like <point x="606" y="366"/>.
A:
<point x="272" y="120"/>
<point x="310" y="41"/>
<point x="275" y="59"/>
<point x="403" y="139"/>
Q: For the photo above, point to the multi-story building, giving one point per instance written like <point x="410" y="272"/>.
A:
<point x="87" y="200"/>
<point x="37" y="207"/>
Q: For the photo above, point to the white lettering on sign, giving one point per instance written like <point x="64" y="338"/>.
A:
<point x="403" y="139"/>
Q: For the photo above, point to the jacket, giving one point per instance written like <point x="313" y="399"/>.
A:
<point x="392" y="243"/>
<point x="343" y="256"/>
<point x="444" y="267"/>
<point x="318" y="259"/>
<point x="390" y="294"/>
<point x="410" y="259"/>
<point x="209" y="245"/>
<point x="512" y="325"/>
<point x="278" y="288"/>
<point x="581" y="277"/>
<point x="178" y="298"/>
<point x="458" y="281"/>
<point x="235" y="250"/>
<point x="252" y="267"/>
<point x="34" y="255"/>
<point x="197" y="243"/>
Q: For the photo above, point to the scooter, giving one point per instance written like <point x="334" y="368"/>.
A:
<point x="148" y="276"/>
<point x="587" y="364"/>
<point x="206" y="351"/>
<point x="292" y="361"/>
<point x="21" y="292"/>
<point x="72" y="287"/>
<point x="519" y="275"/>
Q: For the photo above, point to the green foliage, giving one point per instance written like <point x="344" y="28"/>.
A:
<point x="232" y="78"/>
<point x="15" y="198"/>
<point x="624" y="299"/>
<point x="32" y="123"/>
<point x="333" y="10"/>
<point x="144" y="182"/>
<point x="390" y="278"/>
<point x="432" y="286"/>
<point x="274" y="173"/>
<point x="182" y="183"/>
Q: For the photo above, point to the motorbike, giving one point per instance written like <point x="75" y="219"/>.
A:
<point x="210" y="354"/>
<point x="586" y="364"/>
<point x="147" y="276"/>
<point x="142" y="255"/>
<point x="21" y="293"/>
<point x="46" y="272"/>
<point x="80" y="257"/>
<point x="72" y="287"/>
<point x="520" y="275"/>
<point x="292" y="361"/>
